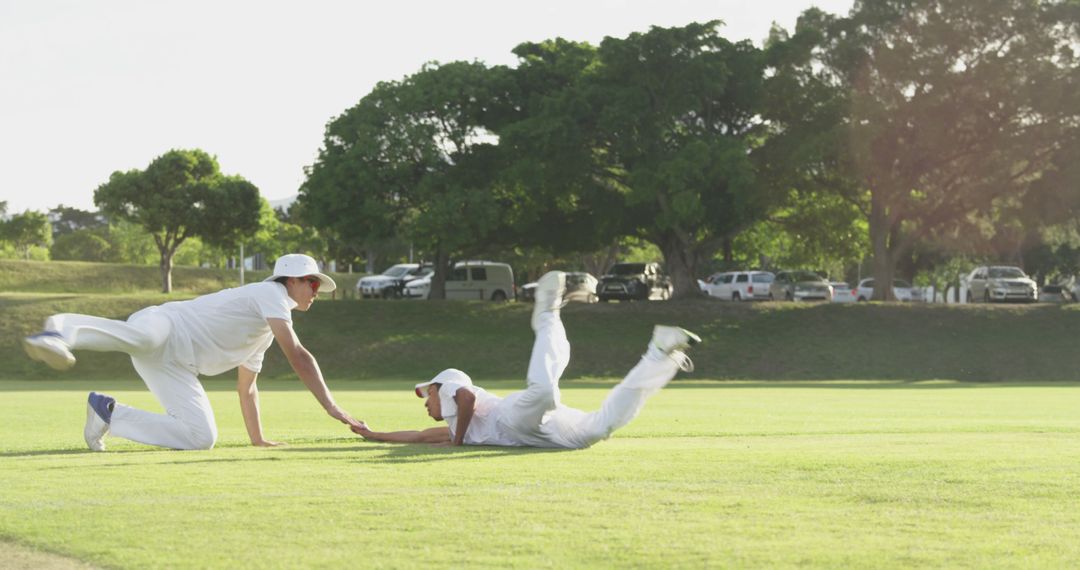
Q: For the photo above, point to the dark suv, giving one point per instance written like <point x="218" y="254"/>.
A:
<point x="634" y="281"/>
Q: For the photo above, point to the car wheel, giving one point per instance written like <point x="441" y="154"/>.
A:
<point x="986" y="296"/>
<point x="498" y="296"/>
<point x="771" y="298"/>
<point x="602" y="299"/>
<point x="970" y="299"/>
<point x="736" y="298"/>
<point x="789" y="296"/>
<point x="665" y="294"/>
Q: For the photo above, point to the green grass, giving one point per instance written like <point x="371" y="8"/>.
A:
<point x="743" y="474"/>
<point x="759" y="459"/>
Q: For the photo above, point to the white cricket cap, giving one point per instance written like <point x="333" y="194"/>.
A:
<point x="300" y="265"/>
<point x="448" y="376"/>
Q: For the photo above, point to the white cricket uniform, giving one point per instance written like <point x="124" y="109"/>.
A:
<point x="535" y="417"/>
<point x="171" y="344"/>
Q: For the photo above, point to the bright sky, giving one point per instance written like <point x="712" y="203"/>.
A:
<point x="91" y="87"/>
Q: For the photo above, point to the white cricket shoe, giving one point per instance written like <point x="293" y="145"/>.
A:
<point x="672" y="341"/>
<point x="98" y="417"/>
<point x="49" y="347"/>
<point x="550" y="290"/>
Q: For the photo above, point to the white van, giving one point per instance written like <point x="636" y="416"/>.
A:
<point x="470" y="280"/>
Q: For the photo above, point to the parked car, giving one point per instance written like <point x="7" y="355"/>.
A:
<point x="580" y="286"/>
<point x="1000" y="283"/>
<point x="391" y="283"/>
<point x="477" y="280"/>
<point x="902" y="290"/>
<point x="800" y="286"/>
<point x="740" y="285"/>
<point x="1055" y="294"/>
<point x="634" y="281"/>
<point x="842" y="292"/>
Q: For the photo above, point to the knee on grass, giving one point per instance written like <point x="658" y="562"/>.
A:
<point x="202" y="436"/>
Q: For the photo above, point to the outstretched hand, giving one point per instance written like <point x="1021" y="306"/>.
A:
<point x="343" y="417"/>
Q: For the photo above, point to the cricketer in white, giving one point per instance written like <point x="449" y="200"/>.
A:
<point x="172" y="343"/>
<point x="535" y="416"/>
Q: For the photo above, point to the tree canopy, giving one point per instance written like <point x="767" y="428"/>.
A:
<point x="182" y="194"/>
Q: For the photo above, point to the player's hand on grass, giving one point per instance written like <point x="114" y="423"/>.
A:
<point x="267" y="443"/>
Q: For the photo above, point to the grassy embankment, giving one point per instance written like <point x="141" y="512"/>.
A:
<point x="375" y="339"/>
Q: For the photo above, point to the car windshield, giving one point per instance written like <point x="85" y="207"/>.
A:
<point x="805" y="276"/>
<point x="396" y="271"/>
<point x="1006" y="273"/>
<point x="628" y="269"/>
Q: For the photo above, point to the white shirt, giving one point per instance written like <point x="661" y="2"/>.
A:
<point x="484" y="429"/>
<point x="220" y="331"/>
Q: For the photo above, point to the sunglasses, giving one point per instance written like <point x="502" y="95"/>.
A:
<point x="314" y="282"/>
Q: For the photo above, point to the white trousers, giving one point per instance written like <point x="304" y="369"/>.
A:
<point x="537" y="417"/>
<point x="188" y="421"/>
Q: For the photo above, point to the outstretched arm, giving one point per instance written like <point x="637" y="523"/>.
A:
<point x="430" y="435"/>
<point x="249" y="406"/>
<point x="308" y="370"/>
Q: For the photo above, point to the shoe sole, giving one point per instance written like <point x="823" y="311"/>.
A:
<point x="692" y="338"/>
<point x="51" y="358"/>
<point x="94" y="443"/>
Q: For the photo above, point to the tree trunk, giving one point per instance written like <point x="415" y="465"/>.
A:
<point x="442" y="269"/>
<point x="884" y="264"/>
<point x="597" y="263"/>
<point x="369" y="261"/>
<point x="166" y="270"/>
<point x="681" y="263"/>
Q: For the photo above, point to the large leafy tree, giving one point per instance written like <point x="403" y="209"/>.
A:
<point x="418" y="159"/>
<point x="181" y="194"/>
<point x="27" y="230"/>
<point x="952" y="106"/>
<point x="677" y="118"/>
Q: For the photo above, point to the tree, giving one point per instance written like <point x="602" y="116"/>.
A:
<point x="416" y="159"/>
<point x="81" y="245"/>
<point x="66" y="220"/>
<point x="182" y="193"/>
<point x="952" y="106"/>
<point x="27" y="230"/>
<point x="677" y="122"/>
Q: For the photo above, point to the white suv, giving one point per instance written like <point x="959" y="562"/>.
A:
<point x="1000" y="283"/>
<point x="740" y="285"/>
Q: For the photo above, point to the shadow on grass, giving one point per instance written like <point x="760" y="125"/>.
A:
<point x="425" y="453"/>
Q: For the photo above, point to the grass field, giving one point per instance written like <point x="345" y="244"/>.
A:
<point x="745" y="474"/>
<point x="826" y="436"/>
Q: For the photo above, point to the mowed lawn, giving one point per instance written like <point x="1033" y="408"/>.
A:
<point x="712" y="474"/>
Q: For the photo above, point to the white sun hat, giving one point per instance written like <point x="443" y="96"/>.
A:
<point x="300" y="265"/>
<point x="448" y="376"/>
